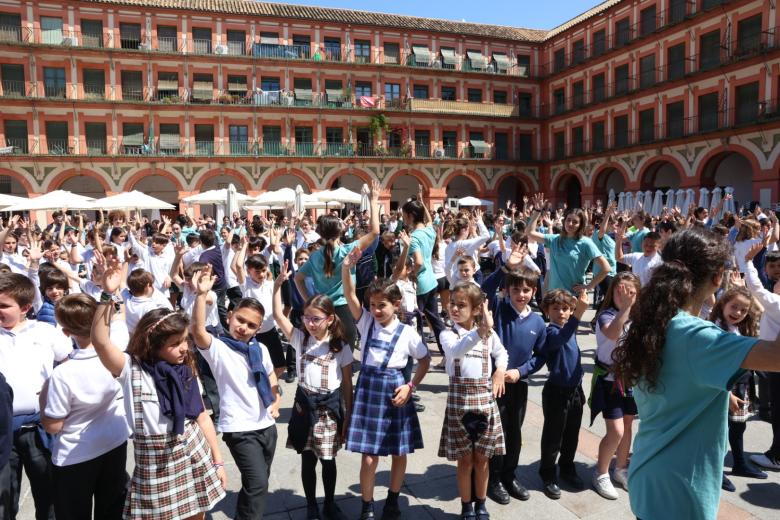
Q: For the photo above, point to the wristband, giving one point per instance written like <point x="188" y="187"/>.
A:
<point x="219" y="465"/>
<point x="105" y="297"/>
<point x="411" y="385"/>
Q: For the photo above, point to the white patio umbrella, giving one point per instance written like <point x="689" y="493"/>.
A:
<point x="365" y="201"/>
<point x="704" y="197"/>
<point x="473" y="202"/>
<point x="649" y="201"/>
<point x="215" y="197"/>
<point x="611" y="196"/>
<point x="621" y="205"/>
<point x="639" y="200"/>
<point x="658" y="204"/>
<point x="311" y="202"/>
<point x="690" y="198"/>
<point x="717" y="196"/>
<point x="298" y="201"/>
<point x="629" y="202"/>
<point x="58" y="199"/>
<point x="10" y="200"/>
<point x="131" y="199"/>
<point x="281" y="197"/>
<point x="670" y="199"/>
<point x="679" y="200"/>
<point x="727" y="206"/>
<point x="342" y="195"/>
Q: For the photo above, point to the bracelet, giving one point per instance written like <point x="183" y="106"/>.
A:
<point x="105" y="297"/>
<point x="219" y="465"/>
<point x="410" y="385"/>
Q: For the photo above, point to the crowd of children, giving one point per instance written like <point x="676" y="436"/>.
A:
<point x="173" y="332"/>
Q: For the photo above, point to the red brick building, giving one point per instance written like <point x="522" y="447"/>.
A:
<point x="173" y="97"/>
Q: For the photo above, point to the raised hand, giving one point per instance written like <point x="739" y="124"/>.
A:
<point x="376" y="189"/>
<point x="404" y="238"/>
<point x="203" y="280"/>
<point x="485" y="327"/>
<point x="517" y="256"/>
<point x="180" y="249"/>
<point x="284" y="275"/>
<point x="112" y="274"/>
<point x="352" y="258"/>
<point x="753" y="251"/>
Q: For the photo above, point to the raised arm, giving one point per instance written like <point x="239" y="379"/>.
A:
<point x="605" y="220"/>
<point x="620" y="234"/>
<point x="202" y="282"/>
<point x="112" y="358"/>
<point x="281" y="320"/>
<point x="369" y="237"/>
<point x="400" y="264"/>
<point x="427" y="219"/>
<point x="530" y="230"/>
<point x="237" y="266"/>
<point x="349" y="286"/>
<point x="175" y="272"/>
<point x="7" y="230"/>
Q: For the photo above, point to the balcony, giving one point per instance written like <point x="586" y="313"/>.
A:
<point x="95" y="40"/>
<point x="59" y="147"/>
<point x="16" y="146"/>
<point x="54" y="91"/>
<point x="11" y="33"/>
<point x="96" y="146"/>
<point x="281" y="52"/>
<point x="201" y="46"/>
<point x="168" y="44"/>
<point x="273" y="148"/>
<point x="94" y="92"/>
<point x="133" y="94"/>
<point x="338" y="150"/>
<point x="130" y="43"/>
<point x="462" y="108"/>
<point x="13" y="88"/>
<point x="236" y="48"/>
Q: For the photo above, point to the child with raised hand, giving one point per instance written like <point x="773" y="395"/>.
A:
<point x="179" y="472"/>
<point x="248" y="391"/>
<point x="562" y="396"/>
<point x="736" y="311"/>
<point x="607" y="396"/>
<point x="472" y="431"/>
<point x="318" y="422"/>
<point x="383" y="420"/>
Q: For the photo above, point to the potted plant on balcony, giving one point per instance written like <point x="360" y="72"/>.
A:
<point x="227" y="99"/>
<point x="406" y="149"/>
<point x="377" y="124"/>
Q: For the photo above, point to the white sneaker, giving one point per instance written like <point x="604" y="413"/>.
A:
<point x="620" y="475"/>
<point x="604" y="487"/>
<point x="765" y="462"/>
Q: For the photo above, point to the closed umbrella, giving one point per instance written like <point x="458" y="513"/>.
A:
<point x="704" y="197"/>
<point x="611" y="197"/>
<point x="365" y="200"/>
<point x="679" y="200"/>
<point x="727" y="206"/>
<point x="670" y="199"/>
<point x="717" y="196"/>
<point x="690" y="199"/>
<point x="298" y="201"/>
<point x="231" y="205"/>
<point x="629" y="202"/>
<point x="639" y="201"/>
<point x="57" y="199"/>
<point x="658" y="204"/>
<point x="648" y="201"/>
<point x="621" y="205"/>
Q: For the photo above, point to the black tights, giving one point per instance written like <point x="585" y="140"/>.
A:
<point x="309" y="477"/>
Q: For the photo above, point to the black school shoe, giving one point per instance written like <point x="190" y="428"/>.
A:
<point x="331" y="511"/>
<point x="312" y="512"/>
<point x="391" y="511"/>
<point x="289" y="376"/>
<point x="748" y="471"/>
<point x="517" y="490"/>
<point x="368" y="511"/>
<point x="498" y="493"/>
<point x="552" y="490"/>
<point x="481" y="510"/>
<point x="727" y="485"/>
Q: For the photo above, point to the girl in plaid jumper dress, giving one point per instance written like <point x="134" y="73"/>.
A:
<point x="383" y="419"/>
<point x="324" y="365"/>
<point x="179" y="473"/>
<point x="472" y="431"/>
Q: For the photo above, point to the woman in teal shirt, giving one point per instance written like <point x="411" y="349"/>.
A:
<point x="681" y="368"/>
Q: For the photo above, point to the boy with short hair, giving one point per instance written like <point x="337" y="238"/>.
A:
<point x="28" y="350"/>
<point x="643" y="263"/>
<point x="143" y="297"/>
<point x="54" y="285"/>
<point x="523" y="333"/>
<point x="562" y="396"/>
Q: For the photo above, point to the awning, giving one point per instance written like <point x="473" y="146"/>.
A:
<point x="480" y="146"/>
<point x="478" y="61"/>
<point x="135" y="138"/>
<point x="502" y="61"/>
<point x="421" y="54"/>
<point x="271" y="39"/>
<point x="169" y="142"/>
<point x="303" y="94"/>
<point x="237" y="83"/>
<point x="168" y="84"/>
<point x="202" y="85"/>
<point x="449" y="57"/>
<point x="334" y="94"/>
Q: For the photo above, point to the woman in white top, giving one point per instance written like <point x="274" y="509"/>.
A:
<point x="469" y="236"/>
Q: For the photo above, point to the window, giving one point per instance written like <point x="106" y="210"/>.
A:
<point x="202" y="87"/>
<point x="677" y="11"/>
<point x="394" y="142"/>
<point x="525" y="104"/>
<point x="392" y="54"/>
<point x="676" y="58"/>
<point x="449" y="59"/>
<point x="647" y="18"/>
<point x="334" y="92"/>
<point x="647" y="71"/>
<point x="57" y="137"/>
<point x="420" y="92"/>
<point x="236" y="42"/>
<point x="420" y="56"/>
<point x="304" y="140"/>
<point x="500" y="97"/>
<point x="578" y="52"/>
<point x="91" y="33"/>
<point x="393" y="94"/>
<point x="204" y="140"/>
<point x="167" y="40"/>
<point x="598" y="84"/>
<point x="524" y="65"/>
<point x="169" y="139"/>
<point x="449" y="140"/>
<point x="559" y="60"/>
<point x="94" y="83"/>
<point x="675" y="120"/>
<point x="333" y="49"/>
<point x="334" y="135"/>
<point x="272" y="140"/>
<point x="709" y="48"/>
<point x="12" y="77"/>
<point x="167" y="85"/>
<point x="599" y="42"/>
<point x="422" y="143"/>
<point x="620" y="124"/>
<point x="362" y="89"/>
<point x="132" y="138"/>
<point x="201" y="39"/>
<point x="303" y="91"/>
<point x="448" y="93"/>
<point x="365" y="142"/>
<point x="578" y="94"/>
<point x="646" y="125"/>
<point x="597" y="136"/>
<point x="525" y="148"/>
<point x="747" y="104"/>
<point x="269" y="83"/>
<point x="132" y="85"/>
<point x="708" y="112"/>
<point x="501" y="146"/>
<point x="16" y="135"/>
<point x="96" y="138"/>
<point x="130" y="35"/>
<point x="54" y="82"/>
<point x="559" y="100"/>
<point x="709" y="4"/>
<point x="559" y="140"/>
<point x="749" y="35"/>
<point x="51" y="30"/>
<point x="577" y="140"/>
<point x="237" y="86"/>
<point x="239" y="139"/>
<point x="362" y="51"/>
<point x="474" y="95"/>
<point x="621" y="80"/>
<point x="622" y="32"/>
<point x="11" y="30"/>
<point x="478" y="148"/>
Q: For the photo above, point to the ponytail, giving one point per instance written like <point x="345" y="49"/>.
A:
<point x="330" y="229"/>
<point x="327" y="253"/>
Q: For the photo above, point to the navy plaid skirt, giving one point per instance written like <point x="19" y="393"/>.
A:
<point x="376" y="426"/>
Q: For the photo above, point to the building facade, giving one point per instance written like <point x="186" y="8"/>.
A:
<point x="172" y="97"/>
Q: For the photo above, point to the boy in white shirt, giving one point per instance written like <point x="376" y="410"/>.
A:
<point x="156" y="258"/>
<point x="642" y="264"/>
<point x="143" y="298"/>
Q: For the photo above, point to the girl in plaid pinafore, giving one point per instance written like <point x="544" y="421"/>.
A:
<point x="178" y="471"/>
<point x="383" y="420"/>
<point x="472" y="431"/>
<point x="324" y="364"/>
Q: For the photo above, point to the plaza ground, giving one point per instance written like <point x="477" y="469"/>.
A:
<point x="430" y="490"/>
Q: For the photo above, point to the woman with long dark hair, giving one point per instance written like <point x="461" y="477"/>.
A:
<point x="681" y="368"/>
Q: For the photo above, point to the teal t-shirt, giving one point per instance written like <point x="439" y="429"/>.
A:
<point x="568" y="260"/>
<point x="636" y="239"/>
<point x="330" y="286"/>
<point x="607" y="247"/>
<point x="422" y="241"/>
<point x="678" y="455"/>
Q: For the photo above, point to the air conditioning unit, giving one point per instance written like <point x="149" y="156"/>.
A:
<point x="67" y="41"/>
<point x="221" y="49"/>
<point x="439" y="153"/>
<point x="144" y="47"/>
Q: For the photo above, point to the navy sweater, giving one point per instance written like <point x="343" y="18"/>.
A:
<point x="523" y="338"/>
<point x="6" y="421"/>
<point x="213" y="256"/>
<point x="564" y="360"/>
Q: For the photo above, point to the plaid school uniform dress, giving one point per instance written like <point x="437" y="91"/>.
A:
<point x="324" y="437"/>
<point x="174" y="476"/>
<point x="376" y="426"/>
<point x="471" y="395"/>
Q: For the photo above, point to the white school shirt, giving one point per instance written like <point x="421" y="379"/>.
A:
<point x="240" y="407"/>
<point x="155" y="423"/>
<point x="312" y="375"/>
<point x="740" y="250"/>
<point x="188" y="304"/>
<point x="769" y="326"/>
<point x="643" y="266"/>
<point x="158" y="265"/>
<point x="89" y="399"/>
<point x="191" y="256"/>
<point x="264" y="293"/>
<point x="137" y="306"/>
<point x="227" y="261"/>
<point x="409" y="342"/>
<point x="27" y="359"/>
<point x="527" y="262"/>
<point x="16" y="261"/>
<point x="437" y="265"/>
<point x="458" y="343"/>
<point x="408" y="295"/>
<point x="470" y="246"/>
<point x="604" y="345"/>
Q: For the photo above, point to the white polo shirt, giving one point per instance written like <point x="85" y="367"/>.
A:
<point x="409" y="342"/>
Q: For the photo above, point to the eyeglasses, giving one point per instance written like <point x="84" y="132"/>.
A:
<point x="314" y="320"/>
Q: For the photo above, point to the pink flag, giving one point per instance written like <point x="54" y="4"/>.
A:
<point x="367" y="101"/>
